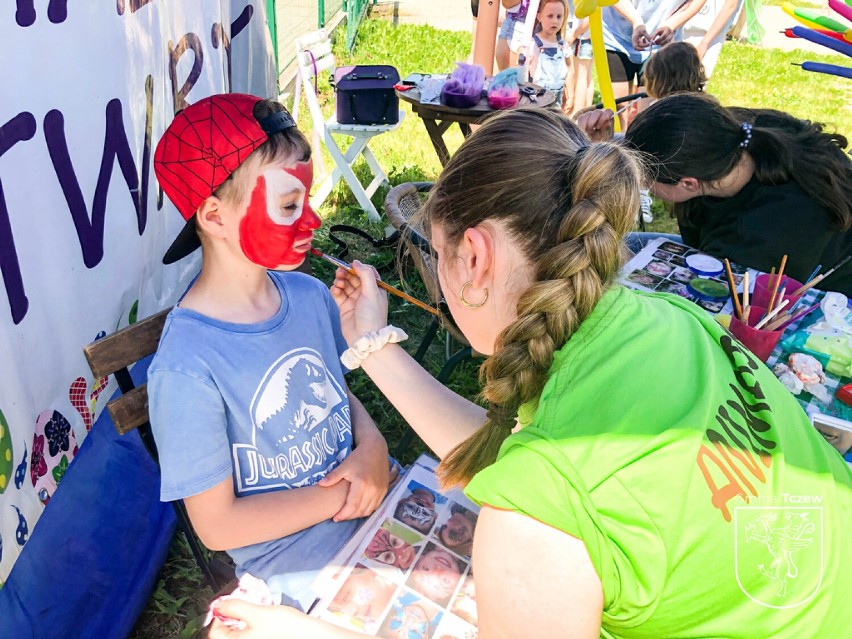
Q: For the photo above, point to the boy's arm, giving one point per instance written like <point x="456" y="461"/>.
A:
<point x="223" y="521"/>
<point x="354" y="489"/>
<point x="366" y="469"/>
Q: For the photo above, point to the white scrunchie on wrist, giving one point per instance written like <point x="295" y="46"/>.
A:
<point x="370" y="343"/>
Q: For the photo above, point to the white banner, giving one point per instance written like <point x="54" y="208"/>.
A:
<point x="88" y="88"/>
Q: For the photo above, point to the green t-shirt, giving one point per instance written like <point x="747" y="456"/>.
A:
<point x="709" y="505"/>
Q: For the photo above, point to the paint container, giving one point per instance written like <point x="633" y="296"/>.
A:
<point x="761" y="343"/>
<point x="704" y="265"/>
<point x="708" y="290"/>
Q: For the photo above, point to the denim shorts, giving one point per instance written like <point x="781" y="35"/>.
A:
<point x="513" y="32"/>
<point x="583" y="49"/>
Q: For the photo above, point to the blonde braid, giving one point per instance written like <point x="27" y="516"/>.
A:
<point x="569" y="279"/>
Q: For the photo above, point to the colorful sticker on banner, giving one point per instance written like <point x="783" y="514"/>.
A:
<point x="38" y="465"/>
<point x="6" y="453"/>
<point x="22" y="532"/>
<point x="59" y="471"/>
<point x="53" y="432"/>
<point x="99" y="387"/>
<point x="77" y="396"/>
<point x="21" y="470"/>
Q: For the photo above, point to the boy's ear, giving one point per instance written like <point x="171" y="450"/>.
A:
<point x="208" y="217"/>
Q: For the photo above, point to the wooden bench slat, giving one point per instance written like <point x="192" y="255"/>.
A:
<point x="130" y="410"/>
<point x="127" y="346"/>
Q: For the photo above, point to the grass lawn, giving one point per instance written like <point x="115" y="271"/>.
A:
<point x="745" y="76"/>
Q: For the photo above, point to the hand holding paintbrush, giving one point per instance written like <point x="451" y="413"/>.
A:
<point x="381" y="284"/>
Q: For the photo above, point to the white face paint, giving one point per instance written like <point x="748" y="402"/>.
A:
<point x="285" y="195"/>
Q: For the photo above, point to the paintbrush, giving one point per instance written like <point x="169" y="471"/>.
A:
<point x="381" y="284"/>
<point x="776" y="283"/>
<point x="820" y="278"/>
<point x="780" y="296"/>
<point x="799" y="301"/>
<point x="734" y="296"/>
<point x="746" y="309"/>
<point x="814" y="273"/>
<point x="769" y="316"/>
<point x="780" y="323"/>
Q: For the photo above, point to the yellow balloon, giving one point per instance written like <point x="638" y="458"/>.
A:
<point x="585" y="8"/>
<point x="601" y="66"/>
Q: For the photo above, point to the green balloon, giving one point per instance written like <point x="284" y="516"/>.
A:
<point x="817" y="18"/>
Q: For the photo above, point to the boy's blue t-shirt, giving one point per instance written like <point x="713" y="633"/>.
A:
<point x="618" y="34"/>
<point x="264" y="404"/>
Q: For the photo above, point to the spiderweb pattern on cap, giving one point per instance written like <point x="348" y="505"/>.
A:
<point x="203" y="147"/>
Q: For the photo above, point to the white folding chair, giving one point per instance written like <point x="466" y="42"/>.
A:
<point x="313" y="56"/>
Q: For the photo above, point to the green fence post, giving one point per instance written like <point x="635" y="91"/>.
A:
<point x="321" y="13"/>
<point x="273" y="31"/>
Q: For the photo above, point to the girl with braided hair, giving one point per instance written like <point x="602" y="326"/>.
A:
<point x="751" y="185"/>
<point x="610" y="506"/>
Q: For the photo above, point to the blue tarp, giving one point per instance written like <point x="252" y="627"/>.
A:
<point x="92" y="559"/>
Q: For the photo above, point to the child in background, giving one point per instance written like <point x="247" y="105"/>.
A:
<point x="550" y="58"/>
<point x="675" y="68"/>
<point x="512" y="37"/>
<point x="257" y="432"/>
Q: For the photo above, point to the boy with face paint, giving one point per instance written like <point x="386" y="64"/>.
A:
<point x="256" y="429"/>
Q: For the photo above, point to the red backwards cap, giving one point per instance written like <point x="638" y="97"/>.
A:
<point x="201" y="148"/>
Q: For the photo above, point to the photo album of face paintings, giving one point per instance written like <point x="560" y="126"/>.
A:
<point x="407" y="573"/>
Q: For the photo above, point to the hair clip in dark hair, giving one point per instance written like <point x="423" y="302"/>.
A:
<point x="746" y="127"/>
<point x="277" y="122"/>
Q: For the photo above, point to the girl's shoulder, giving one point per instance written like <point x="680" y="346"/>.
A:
<point x="547" y="44"/>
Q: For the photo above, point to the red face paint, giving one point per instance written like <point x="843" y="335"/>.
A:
<point x="279" y="223"/>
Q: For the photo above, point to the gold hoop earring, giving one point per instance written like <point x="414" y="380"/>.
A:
<point x="469" y="304"/>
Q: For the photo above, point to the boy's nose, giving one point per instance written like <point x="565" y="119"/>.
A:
<point x="309" y="220"/>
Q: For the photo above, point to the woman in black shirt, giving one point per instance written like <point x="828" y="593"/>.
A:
<point x="751" y="185"/>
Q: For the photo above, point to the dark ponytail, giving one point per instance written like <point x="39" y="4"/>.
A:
<point x="692" y="135"/>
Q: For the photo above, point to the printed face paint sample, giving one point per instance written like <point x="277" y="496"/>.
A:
<point x="278" y="226"/>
